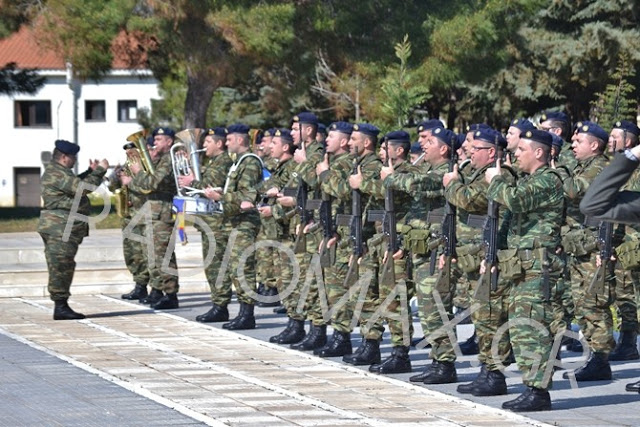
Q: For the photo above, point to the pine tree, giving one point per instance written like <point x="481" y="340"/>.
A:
<point x="616" y="103"/>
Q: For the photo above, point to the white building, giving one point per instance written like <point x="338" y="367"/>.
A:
<point x="106" y="115"/>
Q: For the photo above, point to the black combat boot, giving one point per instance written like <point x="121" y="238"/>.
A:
<point x="441" y="373"/>
<point x="293" y="333"/>
<point x="139" y="292"/>
<point x="62" y="311"/>
<point x="217" y="313"/>
<point x="627" y="347"/>
<point x="272" y="293"/>
<point x="397" y="363"/>
<point x="597" y="368"/>
<point x="367" y="354"/>
<point x="470" y="346"/>
<point x="494" y="384"/>
<point x="467" y="387"/>
<point x="153" y="297"/>
<point x="316" y="338"/>
<point x="633" y="387"/>
<point x="280" y="310"/>
<point x="339" y="345"/>
<point x="167" y="302"/>
<point x="244" y="320"/>
<point x="531" y="400"/>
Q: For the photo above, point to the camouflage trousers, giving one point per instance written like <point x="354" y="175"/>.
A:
<point x="288" y="291"/>
<point x="394" y="302"/>
<point x="530" y="317"/>
<point x="134" y="254"/>
<point x="314" y="277"/>
<point x="562" y="303"/>
<point x="371" y="325"/>
<point x="627" y="294"/>
<point x="340" y="308"/>
<point x="593" y="312"/>
<point x="219" y="279"/>
<point x="61" y="264"/>
<point x="266" y="272"/>
<point x="163" y="268"/>
<point x="242" y="241"/>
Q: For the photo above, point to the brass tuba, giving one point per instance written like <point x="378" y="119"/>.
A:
<point x="139" y="139"/>
<point x="185" y="154"/>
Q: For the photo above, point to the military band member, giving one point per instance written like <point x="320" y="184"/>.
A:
<point x="59" y="188"/>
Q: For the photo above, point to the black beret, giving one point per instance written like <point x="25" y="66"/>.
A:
<point x="416" y="148"/>
<point x="491" y="136"/>
<point x="306" y="117"/>
<point x="558" y="116"/>
<point x="164" y="131"/>
<point x="430" y="124"/>
<point x="446" y="136"/>
<point x="128" y="146"/>
<point x="522" y="124"/>
<point x="556" y="140"/>
<point x="537" y="135"/>
<point x="322" y="129"/>
<point x="67" y="147"/>
<point x="594" y="130"/>
<point x="477" y="126"/>
<point x="367" y="129"/>
<point x="283" y="133"/>
<point x="217" y="131"/>
<point x="342" y="127"/>
<point x="240" y="128"/>
<point x="628" y="126"/>
<point x="397" y="137"/>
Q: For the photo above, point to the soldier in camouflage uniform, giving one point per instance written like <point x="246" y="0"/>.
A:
<point x="282" y="149"/>
<point x="269" y="230"/>
<point x="362" y="145"/>
<point x="158" y="190"/>
<point x="624" y="135"/>
<point x="333" y="174"/>
<point x="394" y="297"/>
<point x="559" y="123"/>
<point x="217" y="163"/>
<point x="133" y="250"/>
<point x="592" y="310"/>
<point x="537" y="204"/>
<point x="469" y="194"/>
<point x="59" y="188"/>
<point x="239" y="197"/>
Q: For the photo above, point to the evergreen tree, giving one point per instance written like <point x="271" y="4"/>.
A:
<point x="615" y="103"/>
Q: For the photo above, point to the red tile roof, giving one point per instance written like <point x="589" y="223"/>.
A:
<point x="22" y="48"/>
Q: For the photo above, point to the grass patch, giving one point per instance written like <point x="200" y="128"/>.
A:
<point x="13" y="220"/>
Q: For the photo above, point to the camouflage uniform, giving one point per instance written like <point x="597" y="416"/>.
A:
<point x="213" y="175"/>
<point x="59" y="188"/>
<point x="269" y="230"/>
<point x="537" y="205"/>
<point x="469" y="195"/>
<point x="592" y="312"/>
<point x="242" y="180"/>
<point x="158" y="190"/>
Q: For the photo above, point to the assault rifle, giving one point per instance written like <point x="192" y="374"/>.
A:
<point x="488" y="281"/>
<point x="301" y="194"/>
<point x="606" y="268"/>
<point x="354" y="221"/>
<point x="323" y="205"/>
<point x="443" y="281"/>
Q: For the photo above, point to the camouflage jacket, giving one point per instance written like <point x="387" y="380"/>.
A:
<point x="576" y="185"/>
<point x="214" y="173"/>
<point x="158" y="189"/>
<point x="59" y="187"/>
<point x="370" y="166"/>
<point x="537" y="205"/>
<point x="401" y="200"/>
<point x="241" y="185"/>
<point x="334" y="182"/>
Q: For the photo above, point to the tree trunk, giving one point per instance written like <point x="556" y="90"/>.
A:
<point x="200" y="90"/>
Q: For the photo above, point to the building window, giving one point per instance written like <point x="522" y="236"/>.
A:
<point x="127" y="111"/>
<point x="94" y="111"/>
<point x="32" y="114"/>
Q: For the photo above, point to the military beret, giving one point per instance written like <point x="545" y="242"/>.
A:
<point x="556" y="140"/>
<point x="269" y="132"/>
<point x="397" y="137"/>
<point x="446" y="136"/>
<point x="537" y="135"/>
<point x="164" y="131"/>
<point x="342" y="127"/>
<point x="283" y="133"/>
<point x="306" y="117"/>
<point x="491" y="136"/>
<point x="67" y="147"/>
<point x="628" y="126"/>
<point x="556" y="116"/>
<point x="461" y="138"/>
<point x="129" y="146"/>
<point x="150" y="141"/>
<point x="367" y="129"/>
<point x="594" y="130"/>
<point x="240" y="128"/>
<point x="477" y="126"/>
<point x="322" y="129"/>
<point x="522" y="124"/>
<point x="430" y="124"/>
<point x="218" y="131"/>
<point x="416" y="148"/>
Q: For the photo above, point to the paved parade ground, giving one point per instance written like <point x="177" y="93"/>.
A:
<point x="128" y="365"/>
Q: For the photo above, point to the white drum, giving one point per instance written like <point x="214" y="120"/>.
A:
<point x="196" y="205"/>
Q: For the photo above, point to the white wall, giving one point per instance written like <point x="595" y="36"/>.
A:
<point x="23" y="146"/>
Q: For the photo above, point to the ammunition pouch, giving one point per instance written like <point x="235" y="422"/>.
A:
<point x="628" y="255"/>
<point x="419" y="242"/>
<point x="469" y="257"/>
<point x="579" y="242"/>
<point x="509" y="264"/>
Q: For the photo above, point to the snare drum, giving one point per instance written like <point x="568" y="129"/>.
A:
<point x="196" y="205"/>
